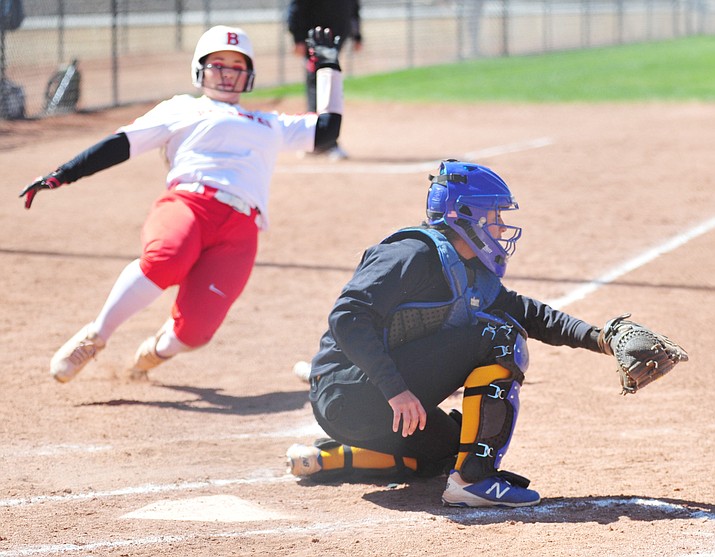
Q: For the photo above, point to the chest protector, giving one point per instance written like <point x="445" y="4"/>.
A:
<point x="468" y="302"/>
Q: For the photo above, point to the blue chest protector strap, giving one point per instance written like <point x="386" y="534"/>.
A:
<point x="468" y="299"/>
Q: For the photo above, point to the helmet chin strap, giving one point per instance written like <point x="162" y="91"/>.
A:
<point x="442" y="179"/>
<point x="469" y="229"/>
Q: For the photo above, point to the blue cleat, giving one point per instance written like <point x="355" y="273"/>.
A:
<point x="494" y="491"/>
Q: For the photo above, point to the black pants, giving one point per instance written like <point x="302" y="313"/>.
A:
<point x="351" y="410"/>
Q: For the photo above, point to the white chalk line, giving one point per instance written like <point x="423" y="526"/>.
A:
<point x="159" y="540"/>
<point x="546" y="510"/>
<point x="307" y="430"/>
<point x="139" y="490"/>
<point x="52" y="450"/>
<point x="348" y="167"/>
<point x="633" y="264"/>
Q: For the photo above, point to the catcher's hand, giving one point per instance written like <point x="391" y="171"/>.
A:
<point x="643" y="355"/>
<point x="323" y="48"/>
<point x="49" y="182"/>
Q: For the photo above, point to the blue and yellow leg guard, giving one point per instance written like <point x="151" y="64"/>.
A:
<point x="337" y="458"/>
<point x="490" y="407"/>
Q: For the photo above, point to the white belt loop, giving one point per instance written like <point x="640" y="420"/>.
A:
<point x="194" y="187"/>
<point x="221" y="196"/>
<point x="233" y="201"/>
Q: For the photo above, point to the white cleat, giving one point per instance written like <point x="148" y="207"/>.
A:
<point x="337" y="154"/>
<point x="76" y="353"/>
<point x="301" y="370"/>
<point x="146" y="357"/>
<point x="303" y="460"/>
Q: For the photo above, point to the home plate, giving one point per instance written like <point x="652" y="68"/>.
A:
<point x="214" y="508"/>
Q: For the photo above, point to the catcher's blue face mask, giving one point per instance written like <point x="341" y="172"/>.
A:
<point x="470" y="198"/>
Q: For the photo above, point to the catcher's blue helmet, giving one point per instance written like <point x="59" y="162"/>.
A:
<point x="468" y="198"/>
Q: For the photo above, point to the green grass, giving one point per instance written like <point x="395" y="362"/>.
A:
<point x="677" y="70"/>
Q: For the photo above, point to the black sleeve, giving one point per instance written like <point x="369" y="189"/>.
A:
<point x="355" y="22"/>
<point x="388" y="275"/>
<point x="112" y="150"/>
<point x="338" y="15"/>
<point x="327" y="130"/>
<point x="296" y="18"/>
<point x="546" y="324"/>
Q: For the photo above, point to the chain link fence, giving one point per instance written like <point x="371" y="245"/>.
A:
<point x="66" y="55"/>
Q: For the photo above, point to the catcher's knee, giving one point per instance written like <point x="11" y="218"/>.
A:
<point x="490" y="407"/>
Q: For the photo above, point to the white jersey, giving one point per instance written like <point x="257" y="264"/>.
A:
<point x="221" y="145"/>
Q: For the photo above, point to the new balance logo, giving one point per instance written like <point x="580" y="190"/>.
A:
<point x="498" y="493"/>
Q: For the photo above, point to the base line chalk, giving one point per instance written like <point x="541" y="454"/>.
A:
<point x="633" y="264"/>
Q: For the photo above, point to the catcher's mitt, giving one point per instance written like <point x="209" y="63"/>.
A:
<point x="643" y="355"/>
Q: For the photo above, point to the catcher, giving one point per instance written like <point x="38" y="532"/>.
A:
<point x="425" y="314"/>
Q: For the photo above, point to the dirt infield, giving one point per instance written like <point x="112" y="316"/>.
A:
<point x="618" y="212"/>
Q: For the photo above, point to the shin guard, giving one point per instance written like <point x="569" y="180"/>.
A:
<point x="489" y="410"/>
<point x="344" y="460"/>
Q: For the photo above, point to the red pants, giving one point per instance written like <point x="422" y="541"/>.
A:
<point x="205" y="247"/>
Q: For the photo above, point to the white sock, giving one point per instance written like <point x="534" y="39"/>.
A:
<point x="131" y="292"/>
<point x="168" y="345"/>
